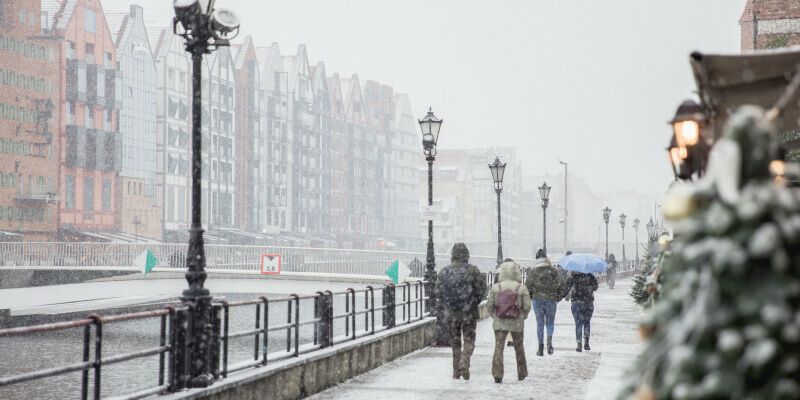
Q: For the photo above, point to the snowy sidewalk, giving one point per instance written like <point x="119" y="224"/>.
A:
<point x="567" y="374"/>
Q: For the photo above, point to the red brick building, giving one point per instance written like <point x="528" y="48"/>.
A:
<point x="29" y="145"/>
<point x="768" y="24"/>
<point x="89" y="99"/>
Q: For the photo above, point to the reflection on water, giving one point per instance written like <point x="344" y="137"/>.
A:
<point x="34" y="352"/>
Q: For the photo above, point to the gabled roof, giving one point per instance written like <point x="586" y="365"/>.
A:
<point x="58" y="14"/>
<point x="319" y="79"/>
<point x="351" y="91"/>
<point x="748" y="14"/>
<point x="335" y="92"/>
<point x="117" y="24"/>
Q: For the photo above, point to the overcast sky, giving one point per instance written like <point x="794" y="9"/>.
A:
<point x="591" y="82"/>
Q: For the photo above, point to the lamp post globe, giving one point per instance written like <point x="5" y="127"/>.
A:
<point x="203" y="29"/>
<point x="498" y="169"/>
<point x="544" y="193"/>
<point x="606" y="216"/>
<point x="688" y="149"/>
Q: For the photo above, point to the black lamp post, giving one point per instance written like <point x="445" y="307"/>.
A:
<point x="622" y="218"/>
<point x="430" y="126"/>
<point x="136" y="222"/>
<point x="606" y="216"/>
<point x="204" y="29"/>
<point x="544" y="193"/>
<point x="636" y="239"/>
<point x="688" y="148"/>
<point x="498" y="169"/>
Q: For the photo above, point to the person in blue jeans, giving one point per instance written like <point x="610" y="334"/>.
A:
<point x="545" y="286"/>
<point x="581" y="293"/>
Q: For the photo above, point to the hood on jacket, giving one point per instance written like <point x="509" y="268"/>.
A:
<point x="459" y="253"/>
<point x="542" y="262"/>
<point x="510" y="271"/>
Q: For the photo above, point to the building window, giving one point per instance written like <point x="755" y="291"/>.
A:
<point x="89" y="56"/>
<point x="88" y="193"/>
<point x="69" y="193"/>
<point x="70" y="49"/>
<point x="89" y="21"/>
<point x="22" y="17"/>
<point x="106" y="195"/>
<point x="107" y="60"/>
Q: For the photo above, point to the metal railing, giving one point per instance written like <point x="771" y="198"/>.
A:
<point x="337" y="317"/>
<point x="219" y="258"/>
<point x="283" y="327"/>
<point x="92" y="352"/>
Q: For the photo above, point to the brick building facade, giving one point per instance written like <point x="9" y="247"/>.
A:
<point x="768" y="24"/>
<point x="29" y="141"/>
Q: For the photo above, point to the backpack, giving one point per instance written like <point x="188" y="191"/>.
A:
<point x="507" y="304"/>
<point x="457" y="289"/>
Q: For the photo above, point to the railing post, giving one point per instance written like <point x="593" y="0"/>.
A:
<point x="323" y="309"/>
<point x="97" y="321"/>
<point x="389" y="306"/>
<point x="180" y="352"/>
<point x="216" y="327"/>
<point x="265" y="301"/>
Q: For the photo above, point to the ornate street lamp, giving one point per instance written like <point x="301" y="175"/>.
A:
<point x="688" y="149"/>
<point x="622" y="218"/>
<point x="636" y="239"/>
<point x="136" y="222"/>
<point x="606" y="216"/>
<point x="498" y="169"/>
<point x="544" y="193"/>
<point x="204" y="29"/>
<point x="430" y="126"/>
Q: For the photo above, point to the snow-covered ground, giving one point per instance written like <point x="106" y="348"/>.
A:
<point x="567" y="374"/>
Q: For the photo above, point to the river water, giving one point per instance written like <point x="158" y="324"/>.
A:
<point x="35" y="352"/>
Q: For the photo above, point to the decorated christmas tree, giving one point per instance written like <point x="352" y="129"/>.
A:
<point x="639" y="291"/>
<point x="727" y="321"/>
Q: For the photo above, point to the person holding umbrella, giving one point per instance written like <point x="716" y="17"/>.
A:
<point x="582" y="285"/>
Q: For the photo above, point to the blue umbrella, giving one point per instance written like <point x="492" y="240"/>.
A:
<point x="585" y="263"/>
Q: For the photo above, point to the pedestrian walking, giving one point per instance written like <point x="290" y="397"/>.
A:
<point x="461" y="287"/>
<point x="581" y="292"/>
<point x="546" y="288"/>
<point x="509" y="304"/>
<point x="612" y="271"/>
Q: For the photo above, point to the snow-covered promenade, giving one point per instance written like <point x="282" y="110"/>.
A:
<point x="567" y="374"/>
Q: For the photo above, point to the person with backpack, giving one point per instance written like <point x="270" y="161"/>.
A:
<point x="546" y="288"/>
<point x="509" y="304"/>
<point x="461" y="287"/>
<point x="581" y="292"/>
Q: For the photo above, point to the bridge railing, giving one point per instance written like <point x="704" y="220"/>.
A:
<point x="92" y="352"/>
<point x="283" y="327"/>
<point x="219" y="258"/>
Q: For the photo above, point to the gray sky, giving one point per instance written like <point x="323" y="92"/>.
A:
<point x="592" y="82"/>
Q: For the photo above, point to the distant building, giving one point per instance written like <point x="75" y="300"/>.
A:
<point x="90" y="97"/>
<point x="30" y="125"/>
<point x="173" y="139"/>
<point x="403" y="154"/>
<point x="249" y="174"/>
<point x="464" y="176"/>
<point x="139" y="213"/>
<point x="768" y="24"/>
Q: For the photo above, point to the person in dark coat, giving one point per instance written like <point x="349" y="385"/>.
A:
<point x="581" y="292"/>
<point x="461" y="320"/>
<point x="612" y="271"/>
<point x="546" y="287"/>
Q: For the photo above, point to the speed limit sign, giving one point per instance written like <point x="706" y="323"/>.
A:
<point x="270" y="264"/>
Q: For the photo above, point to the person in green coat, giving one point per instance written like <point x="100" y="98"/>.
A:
<point x="546" y="288"/>
<point x="509" y="283"/>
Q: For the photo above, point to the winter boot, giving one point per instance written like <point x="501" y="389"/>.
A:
<point x="498" y="380"/>
<point x="549" y="345"/>
<point x="585" y="344"/>
<point x="540" y="352"/>
<point x="465" y="374"/>
<point x="579" y="349"/>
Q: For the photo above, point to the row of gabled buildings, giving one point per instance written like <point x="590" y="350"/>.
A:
<point x="96" y="138"/>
